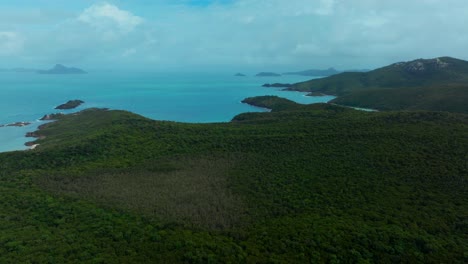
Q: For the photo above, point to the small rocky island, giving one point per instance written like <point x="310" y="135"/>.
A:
<point x="277" y="85"/>
<point x="268" y="74"/>
<point x="17" y="124"/>
<point x="70" y="105"/>
<point x="240" y="75"/>
<point x="61" y="69"/>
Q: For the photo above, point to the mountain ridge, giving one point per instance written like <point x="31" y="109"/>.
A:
<point x="414" y="73"/>
<point x="414" y="76"/>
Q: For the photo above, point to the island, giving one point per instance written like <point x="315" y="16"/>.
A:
<point x="70" y="105"/>
<point x="240" y="75"/>
<point x="17" y="124"/>
<point x="61" y="69"/>
<point x="267" y="74"/>
<point x="277" y="85"/>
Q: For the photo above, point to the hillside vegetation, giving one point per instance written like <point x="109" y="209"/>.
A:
<point x="449" y="98"/>
<point x="318" y="183"/>
<point x="445" y="79"/>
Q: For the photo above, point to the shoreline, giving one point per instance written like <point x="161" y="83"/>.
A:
<point x="319" y="94"/>
<point x="51" y="116"/>
<point x="33" y="147"/>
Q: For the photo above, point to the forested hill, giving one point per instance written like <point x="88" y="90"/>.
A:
<point x="301" y="184"/>
<point x="448" y="98"/>
<point x="417" y="73"/>
<point x="439" y="84"/>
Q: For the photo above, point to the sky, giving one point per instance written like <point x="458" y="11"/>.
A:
<point x="237" y="35"/>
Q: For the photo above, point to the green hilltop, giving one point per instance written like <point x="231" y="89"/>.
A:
<point x="387" y="88"/>
<point x="301" y="184"/>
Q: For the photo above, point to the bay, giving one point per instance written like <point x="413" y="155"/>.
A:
<point x="182" y="97"/>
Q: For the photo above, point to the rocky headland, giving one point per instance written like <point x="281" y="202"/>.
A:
<point x="51" y="116"/>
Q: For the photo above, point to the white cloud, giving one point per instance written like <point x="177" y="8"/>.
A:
<point x="107" y="17"/>
<point x="260" y="33"/>
<point x="11" y="43"/>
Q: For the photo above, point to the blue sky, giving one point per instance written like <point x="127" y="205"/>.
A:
<point x="229" y="34"/>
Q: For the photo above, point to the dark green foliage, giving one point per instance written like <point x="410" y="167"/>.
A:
<point x="272" y="102"/>
<point x="317" y="183"/>
<point x="279" y="104"/>
<point x="189" y="191"/>
<point x="433" y="85"/>
<point x="440" y="98"/>
<point x="416" y="73"/>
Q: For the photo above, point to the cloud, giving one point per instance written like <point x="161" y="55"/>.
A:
<point x="305" y="33"/>
<point x="11" y="43"/>
<point x="261" y="34"/>
<point x="105" y="17"/>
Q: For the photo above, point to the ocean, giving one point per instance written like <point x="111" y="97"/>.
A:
<point x="193" y="98"/>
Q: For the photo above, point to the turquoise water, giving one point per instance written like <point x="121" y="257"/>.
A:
<point x="196" y="98"/>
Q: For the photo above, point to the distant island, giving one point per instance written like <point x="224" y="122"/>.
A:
<point x="267" y="74"/>
<point x="70" y="105"/>
<point x="315" y="72"/>
<point x="61" y="69"/>
<point x="240" y="75"/>
<point x="277" y="85"/>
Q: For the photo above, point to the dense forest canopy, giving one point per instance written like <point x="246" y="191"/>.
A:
<point x="316" y="183"/>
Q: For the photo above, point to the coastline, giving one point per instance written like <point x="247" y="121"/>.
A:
<point x="33" y="147"/>
<point x="171" y="98"/>
<point x="267" y="110"/>
<point x="35" y="134"/>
